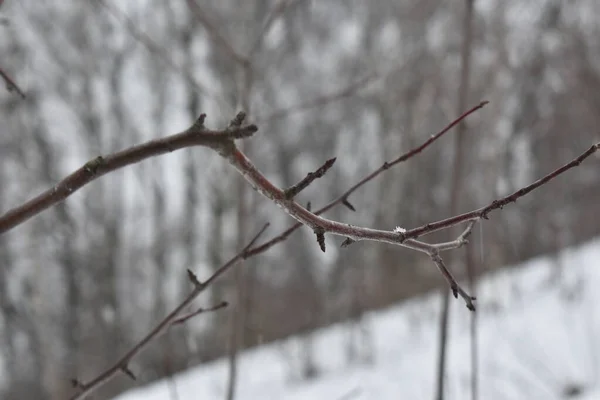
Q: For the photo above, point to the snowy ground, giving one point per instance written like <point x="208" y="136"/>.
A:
<point x="538" y="340"/>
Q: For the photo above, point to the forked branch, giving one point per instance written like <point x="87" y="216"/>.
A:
<point x="174" y="318"/>
<point x="344" y="197"/>
<point x="196" y="135"/>
<point x="223" y="142"/>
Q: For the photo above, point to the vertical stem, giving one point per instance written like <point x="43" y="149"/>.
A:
<point x="456" y="185"/>
<point x="238" y="321"/>
<point x="470" y="259"/>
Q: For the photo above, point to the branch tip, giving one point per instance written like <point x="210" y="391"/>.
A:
<point x="470" y="305"/>
<point x="293" y="191"/>
<point x="237" y="121"/>
<point x="194" y="279"/>
<point x="348" y="205"/>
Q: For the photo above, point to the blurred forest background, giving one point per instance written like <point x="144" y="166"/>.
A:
<point x="362" y="80"/>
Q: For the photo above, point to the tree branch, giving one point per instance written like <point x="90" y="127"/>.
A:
<point x="293" y="191"/>
<point x="322" y="226"/>
<point x="197" y="135"/>
<point x="122" y="365"/>
<point x="483" y="212"/>
<point x="343" y="198"/>
<point x="223" y="142"/>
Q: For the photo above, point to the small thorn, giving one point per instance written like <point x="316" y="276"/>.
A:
<point x="347" y="242"/>
<point x="128" y="372"/>
<point x="308" y="206"/>
<point x="348" y="204"/>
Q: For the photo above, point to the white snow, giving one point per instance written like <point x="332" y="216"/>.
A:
<point x="537" y="336"/>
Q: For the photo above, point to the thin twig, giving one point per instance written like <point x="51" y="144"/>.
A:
<point x="343" y="198"/>
<point x="186" y="317"/>
<point x="195" y="136"/>
<point x="456" y="192"/>
<point x="452" y="283"/>
<point x="122" y="365"/>
<point x="11" y="86"/>
<point x="321" y="225"/>
<point x="483" y="212"/>
<point x="222" y="142"/>
<point x="293" y="191"/>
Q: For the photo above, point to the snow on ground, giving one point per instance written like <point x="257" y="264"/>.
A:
<point x="538" y="339"/>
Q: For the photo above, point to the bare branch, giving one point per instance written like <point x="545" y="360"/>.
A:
<point x="122" y="365"/>
<point x="482" y="213"/>
<point x="196" y="135"/>
<point x="343" y="198"/>
<point x="222" y="142"/>
<point x="293" y="191"/>
<point x="322" y="225"/>
<point x="454" y="286"/>
<point x="199" y="311"/>
<point x="11" y="86"/>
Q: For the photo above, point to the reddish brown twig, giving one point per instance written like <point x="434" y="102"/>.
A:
<point x="223" y="142"/>
<point x="186" y="317"/>
<point x="343" y="198"/>
<point x="483" y="212"/>
<point x="122" y="365"/>
<point x="11" y="86"/>
<point x="293" y="191"/>
<point x="197" y="135"/>
<point x="322" y="226"/>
